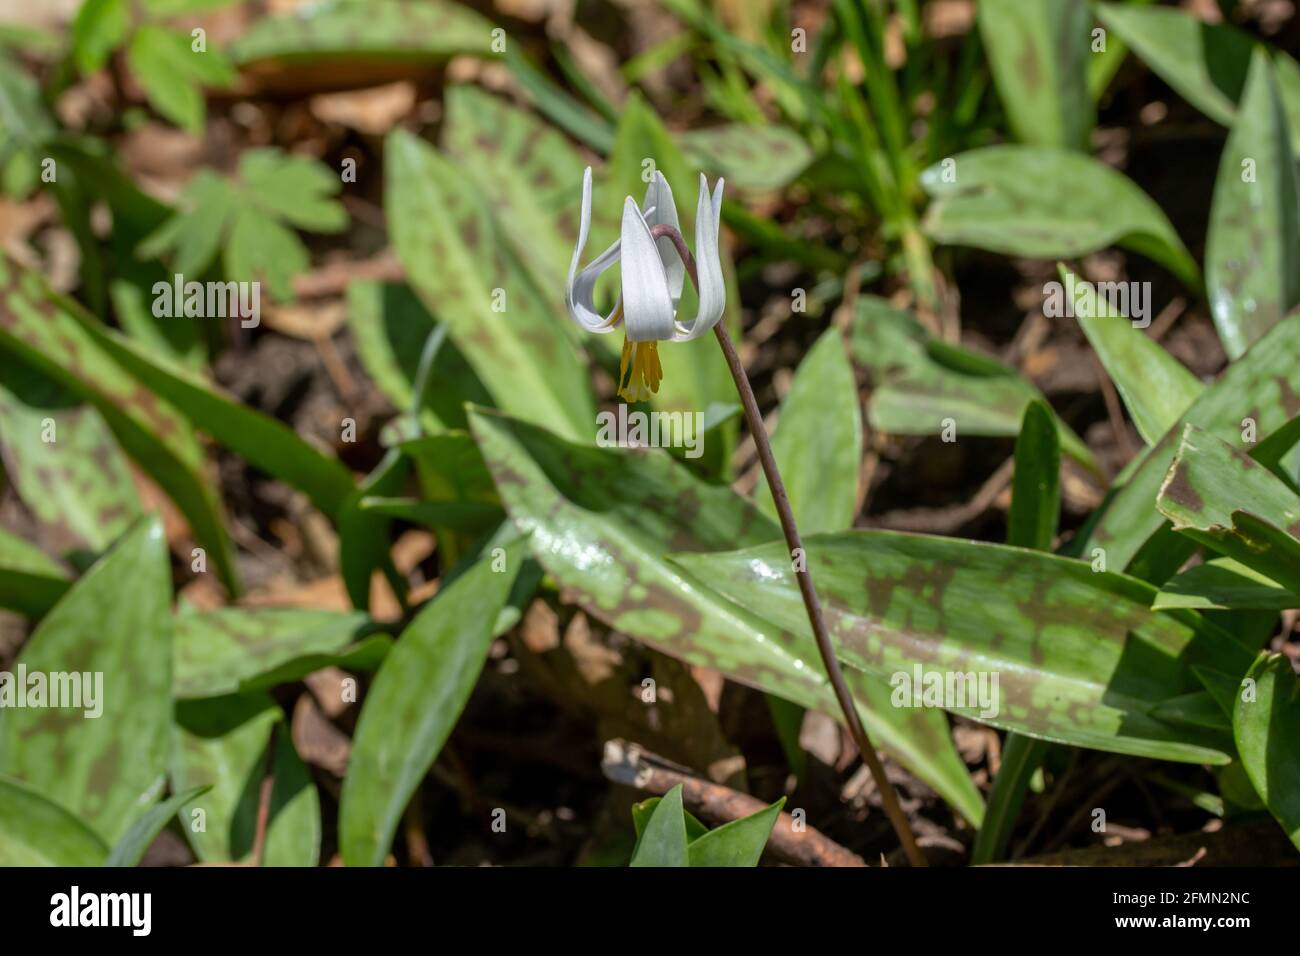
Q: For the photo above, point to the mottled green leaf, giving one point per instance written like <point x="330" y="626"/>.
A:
<point x="261" y="440"/>
<point x="221" y="743"/>
<point x="532" y="172"/>
<point x="133" y="844"/>
<point x="450" y="243"/>
<point x="918" y="382"/>
<point x="602" y="522"/>
<point x="1224" y="584"/>
<point x="53" y="336"/>
<point x="1263" y="386"/>
<point x="1081" y="656"/>
<point x="818" y="441"/>
<point x="1014" y="200"/>
<point x="235" y="650"/>
<point x="738" y="843"/>
<point x="108" y="639"/>
<point x="36" y="832"/>
<point x="1266" y="725"/>
<point x="419" y="30"/>
<point x="1154" y="385"/>
<point x="1205" y="63"/>
<point x="1038" y="53"/>
<point x="1222" y="498"/>
<point x="1252" y="251"/>
<point x="748" y="157"/>
<point x="64" y="462"/>
<point x="30" y="581"/>
<point x="663" y="842"/>
<point x="414" y="703"/>
<point x="173" y="74"/>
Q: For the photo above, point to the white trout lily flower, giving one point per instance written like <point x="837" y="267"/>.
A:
<point x="653" y="274"/>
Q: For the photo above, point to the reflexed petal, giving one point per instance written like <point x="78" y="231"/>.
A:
<point x="647" y="303"/>
<point x="580" y="289"/>
<point x="660" y="209"/>
<point x="708" y="263"/>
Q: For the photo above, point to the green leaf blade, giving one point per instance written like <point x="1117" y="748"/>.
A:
<point x="1252" y="251"/>
<point x="113" y="628"/>
<point x="663" y="843"/>
<point x="818" y="441"/>
<point x="601" y="522"/>
<point x="414" y="703"/>
<point x="1266" y="726"/>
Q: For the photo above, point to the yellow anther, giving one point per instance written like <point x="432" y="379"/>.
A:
<point x="641" y="380"/>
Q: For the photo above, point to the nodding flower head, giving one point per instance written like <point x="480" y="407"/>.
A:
<point x="653" y="274"/>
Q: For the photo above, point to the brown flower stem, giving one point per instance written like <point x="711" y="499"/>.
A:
<point x="265" y="790"/>
<point x="888" y="796"/>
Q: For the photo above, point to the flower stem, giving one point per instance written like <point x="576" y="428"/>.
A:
<point x="888" y="796"/>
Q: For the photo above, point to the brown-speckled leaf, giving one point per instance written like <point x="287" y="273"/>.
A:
<point x="1263" y="385"/>
<point x="1252" y="250"/>
<point x="261" y="440"/>
<point x="36" y="832"/>
<point x="64" y="462"/>
<point x="602" y="522"/>
<point x="1038" y="53"/>
<point x="1205" y="63"/>
<point x="1013" y="200"/>
<point x="113" y="629"/>
<point x="1222" y="498"/>
<point x="233" y="650"/>
<point x="749" y="157"/>
<point x="451" y="244"/>
<point x="221" y="743"/>
<point x="1081" y="657"/>
<point x="532" y="172"/>
<point x="30" y="581"/>
<point x="363" y="30"/>
<point x="42" y="330"/>
<point x="917" y="382"/>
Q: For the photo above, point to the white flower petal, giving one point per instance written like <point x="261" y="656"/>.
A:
<point x="658" y="208"/>
<point x="580" y="289"/>
<point x="647" y="302"/>
<point x="708" y="264"/>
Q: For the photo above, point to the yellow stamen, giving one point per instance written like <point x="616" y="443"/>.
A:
<point x="614" y="316"/>
<point x="642" y="380"/>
